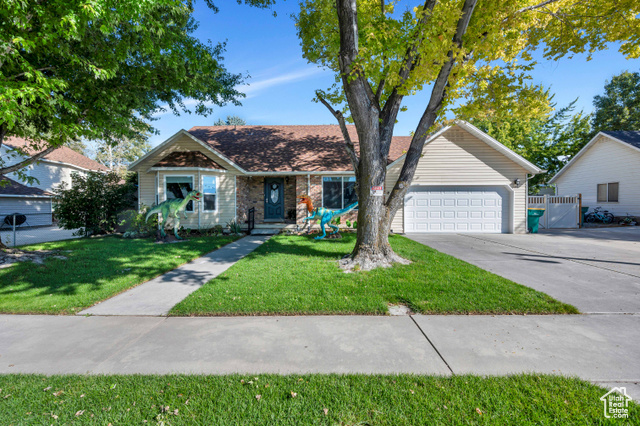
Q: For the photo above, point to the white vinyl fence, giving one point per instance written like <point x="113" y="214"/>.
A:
<point x="559" y="212"/>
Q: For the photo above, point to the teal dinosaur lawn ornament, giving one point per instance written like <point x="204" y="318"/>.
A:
<point x="324" y="215"/>
<point x="172" y="208"/>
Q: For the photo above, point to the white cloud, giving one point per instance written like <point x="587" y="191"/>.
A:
<point x="253" y="88"/>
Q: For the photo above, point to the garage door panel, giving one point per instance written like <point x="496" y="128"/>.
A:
<point x="457" y="209"/>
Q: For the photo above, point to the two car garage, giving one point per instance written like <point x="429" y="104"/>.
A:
<point x="456" y="209"/>
<point x="465" y="182"/>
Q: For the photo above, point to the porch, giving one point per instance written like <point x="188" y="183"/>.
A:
<point x="275" y="199"/>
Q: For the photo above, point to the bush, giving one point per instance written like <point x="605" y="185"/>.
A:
<point x="93" y="202"/>
<point x="234" y="227"/>
<point x="135" y="224"/>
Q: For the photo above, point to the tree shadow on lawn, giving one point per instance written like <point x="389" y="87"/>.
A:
<point x="302" y="245"/>
<point x="96" y="268"/>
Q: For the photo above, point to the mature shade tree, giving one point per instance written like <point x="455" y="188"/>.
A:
<point x="232" y="120"/>
<point x="619" y="107"/>
<point x="98" y="70"/>
<point x="454" y="51"/>
<point x="124" y="152"/>
<point x="548" y="141"/>
<point x="77" y="145"/>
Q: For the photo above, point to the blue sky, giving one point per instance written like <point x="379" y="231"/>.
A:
<point x="282" y="83"/>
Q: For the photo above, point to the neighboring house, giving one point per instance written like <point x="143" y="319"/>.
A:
<point x="35" y="200"/>
<point x="55" y="168"/>
<point x="31" y="202"/>
<point x="606" y="172"/>
<point x="465" y="182"/>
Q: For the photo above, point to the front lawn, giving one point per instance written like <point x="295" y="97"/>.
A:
<point x="296" y="275"/>
<point x="95" y="269"/>
<point x="301" y="400"/>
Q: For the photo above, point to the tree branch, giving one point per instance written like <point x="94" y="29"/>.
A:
<point x="391" y="107"/>
<point x="25" y="163"/>
<point x="352" y="77"/>
<point x="13" y="77"/>
<point x="351" y="150"/>
<point x="427" y="120"/>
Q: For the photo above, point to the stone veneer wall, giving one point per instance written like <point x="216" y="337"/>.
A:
<point x="251" y="194"/>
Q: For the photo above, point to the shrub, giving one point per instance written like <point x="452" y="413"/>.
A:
<point x="355" y="224"/>
<point x="348" y="222"/>
<point x="93" y="202"/>
<point x="234" y="227"/>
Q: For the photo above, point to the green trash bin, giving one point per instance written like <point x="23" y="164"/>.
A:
<point x="533" y="219"/>
<point x="584" y="213"/>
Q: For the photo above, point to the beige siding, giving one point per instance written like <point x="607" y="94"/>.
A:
<point x="226" y="189"/>
<point x="459" y="158"/>
<point x="604" y="162"/>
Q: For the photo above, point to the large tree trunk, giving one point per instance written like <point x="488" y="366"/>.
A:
<point x="372" y="248"/>
<point x="375" y="128"/>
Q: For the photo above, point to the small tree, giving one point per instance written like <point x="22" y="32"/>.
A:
<point x="117" y="156"/>
<point x="232" y="120"/>
<point x="93" y="202"/>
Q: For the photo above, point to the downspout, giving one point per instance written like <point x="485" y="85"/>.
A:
<point x="201" y="198"/>
<point x="158" y="198"/>
<point x="235" y="198"/>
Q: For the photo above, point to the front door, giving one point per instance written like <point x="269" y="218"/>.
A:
<point x="274" y="199"/>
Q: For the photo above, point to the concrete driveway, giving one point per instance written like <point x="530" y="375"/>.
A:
<point x="595" y="270"/>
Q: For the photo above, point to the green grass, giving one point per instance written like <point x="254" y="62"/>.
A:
<point x="348" y="400"/>
<point x="296" y="275"/>
<point x="95" y="269"/>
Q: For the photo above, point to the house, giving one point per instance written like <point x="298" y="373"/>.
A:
<point x="465" y="182"/>
<point x="605" y="172"/>
<point x="18" y="198"/>
<point x="35" y="200"/>
<point x="51" y="170"/>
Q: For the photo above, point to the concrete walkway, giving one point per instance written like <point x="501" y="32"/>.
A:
<point x="600" y="348"/>
<point x="158" y="296"/>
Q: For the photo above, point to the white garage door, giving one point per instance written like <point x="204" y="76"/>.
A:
<point x="456" y="209"/>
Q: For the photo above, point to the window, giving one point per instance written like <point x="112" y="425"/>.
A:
<point x="179" y="187"/>
<point x="602" y="192"/>
<point x="209" y="193"/>
<point x="612" y="193"/>
<point x="608" y="192"/>
<point x="338" y="192"/>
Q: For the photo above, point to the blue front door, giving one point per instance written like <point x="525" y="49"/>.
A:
<point x="274" y="198"/>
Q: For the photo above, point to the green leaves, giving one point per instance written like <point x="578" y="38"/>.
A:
<point x="100" y="69"/>
<point x="619" y="107"/>
<point x="93" y="202"/>
<point x="500" y="35"/>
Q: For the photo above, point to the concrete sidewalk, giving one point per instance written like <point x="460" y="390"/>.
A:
<point x="158" y="296"/>
<point x="599" y="348"/>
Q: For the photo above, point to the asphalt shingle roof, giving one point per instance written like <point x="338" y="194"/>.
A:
<point x="312" y="148"/>
<point x="188" y="159"/>
<point x="627" y="136"/>
<point x="63" y="154"/>
<point x="11" y="187"/>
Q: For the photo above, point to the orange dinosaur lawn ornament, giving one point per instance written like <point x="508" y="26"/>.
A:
<point x="325" y="216"/>
<point x="305" y="199"/>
